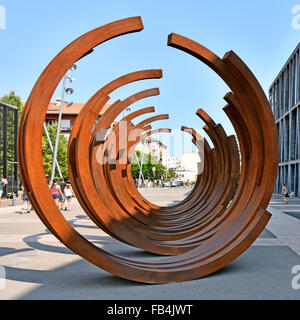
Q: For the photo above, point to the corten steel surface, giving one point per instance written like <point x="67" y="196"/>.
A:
<point x="219" y="219"/>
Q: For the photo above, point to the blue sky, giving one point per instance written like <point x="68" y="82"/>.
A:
<point x="260" y="32"/>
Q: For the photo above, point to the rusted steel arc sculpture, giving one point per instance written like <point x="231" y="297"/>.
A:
<point x="115" y="219"/>
<point x="229" y="196"/>
<point x="77" y="184"/>
<point x="114" y="173"/>
<point x="232" y="232"/>
<point x="182" y="213"/>
<point x="88" y="186"/>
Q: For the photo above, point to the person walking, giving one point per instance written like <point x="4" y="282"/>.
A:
<point x="26" y="202"/>
<point x="1" y="190"/>
<point x="56" y="192"/>
<point x="62" y="199"/>
<point x="69" y="196"/>
<point x="284" y="193"/>
<point x="3" y="183"/>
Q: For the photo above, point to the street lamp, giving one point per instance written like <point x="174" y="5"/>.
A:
<point x="153" y="170"/>
<point x="69" y="91"/>
<point x="73" y="68"/>
<point x="61" y="101"/>
<point x="72" y="79"/>
<point x="126" y="110"/>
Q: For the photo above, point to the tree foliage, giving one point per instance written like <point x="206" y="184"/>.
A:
<point x="148" y="163"/>
<point x="171" y="174"/>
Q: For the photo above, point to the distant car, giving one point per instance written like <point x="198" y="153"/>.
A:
<point x="166" y="183"/>
<point x="179" y="183"/>
<point x="173" y="183"/>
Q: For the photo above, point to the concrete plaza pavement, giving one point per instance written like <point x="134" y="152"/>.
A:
<point x="34" y="265"/>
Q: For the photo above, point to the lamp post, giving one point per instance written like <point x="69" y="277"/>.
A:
<point x="141" y="165"/>
<point x="68" y="91"/>
<point x="51" y="147"/>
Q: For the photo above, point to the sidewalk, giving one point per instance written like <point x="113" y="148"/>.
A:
<point x="38" y="266"/>
<point x="8" y="202"/>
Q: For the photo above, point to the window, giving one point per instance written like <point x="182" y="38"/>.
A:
<point x="65" y="124"/>
<point x="51" y="122"/>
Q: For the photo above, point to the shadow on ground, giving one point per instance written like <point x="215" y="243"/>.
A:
<point x="262" y="272"/>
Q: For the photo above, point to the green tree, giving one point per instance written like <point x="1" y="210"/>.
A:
<point x="171" y="174"/>
<point x="62" y="152"/>
<point x="148" y="163"/>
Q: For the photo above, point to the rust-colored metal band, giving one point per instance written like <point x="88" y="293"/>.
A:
<point x="221" y="217"/>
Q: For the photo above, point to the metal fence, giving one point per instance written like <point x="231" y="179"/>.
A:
<point x="8" y="147"/>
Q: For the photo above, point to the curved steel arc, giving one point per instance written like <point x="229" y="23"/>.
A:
<point x="219" y="233"/>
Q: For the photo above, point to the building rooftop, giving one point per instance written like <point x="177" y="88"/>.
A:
<point x="53" y="108"/>
<point x="150" y="139"/>
<point x="285" y="65"/>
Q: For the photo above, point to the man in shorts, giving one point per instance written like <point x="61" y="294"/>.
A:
<point x="62" y="200"/>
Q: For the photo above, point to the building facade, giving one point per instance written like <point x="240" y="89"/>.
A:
<point x="69" y="115"/>
<point x="284" y="95"/>
<point x="189" y="167"/>
<point x="154" y="147"/>
<point x="171" y="162"/>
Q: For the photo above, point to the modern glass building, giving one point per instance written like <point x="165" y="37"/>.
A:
<point x="8" y="146"/>
<point x="284" y="95"/>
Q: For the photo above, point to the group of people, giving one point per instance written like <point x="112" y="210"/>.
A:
<point x="62" y="193"/>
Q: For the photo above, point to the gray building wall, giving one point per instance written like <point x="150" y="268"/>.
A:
<point x="284" y="96"/>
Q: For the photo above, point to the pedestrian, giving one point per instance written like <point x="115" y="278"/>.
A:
<point x="56" y="192"/>
<point x="69" y="196"/>
<point x="284" y="193"/>
<point x="26" y="202"/>
<point x="2" y="185"/>
<point x="62" y="199"/>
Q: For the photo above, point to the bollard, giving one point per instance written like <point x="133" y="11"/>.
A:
<point x="13" y="198"/>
